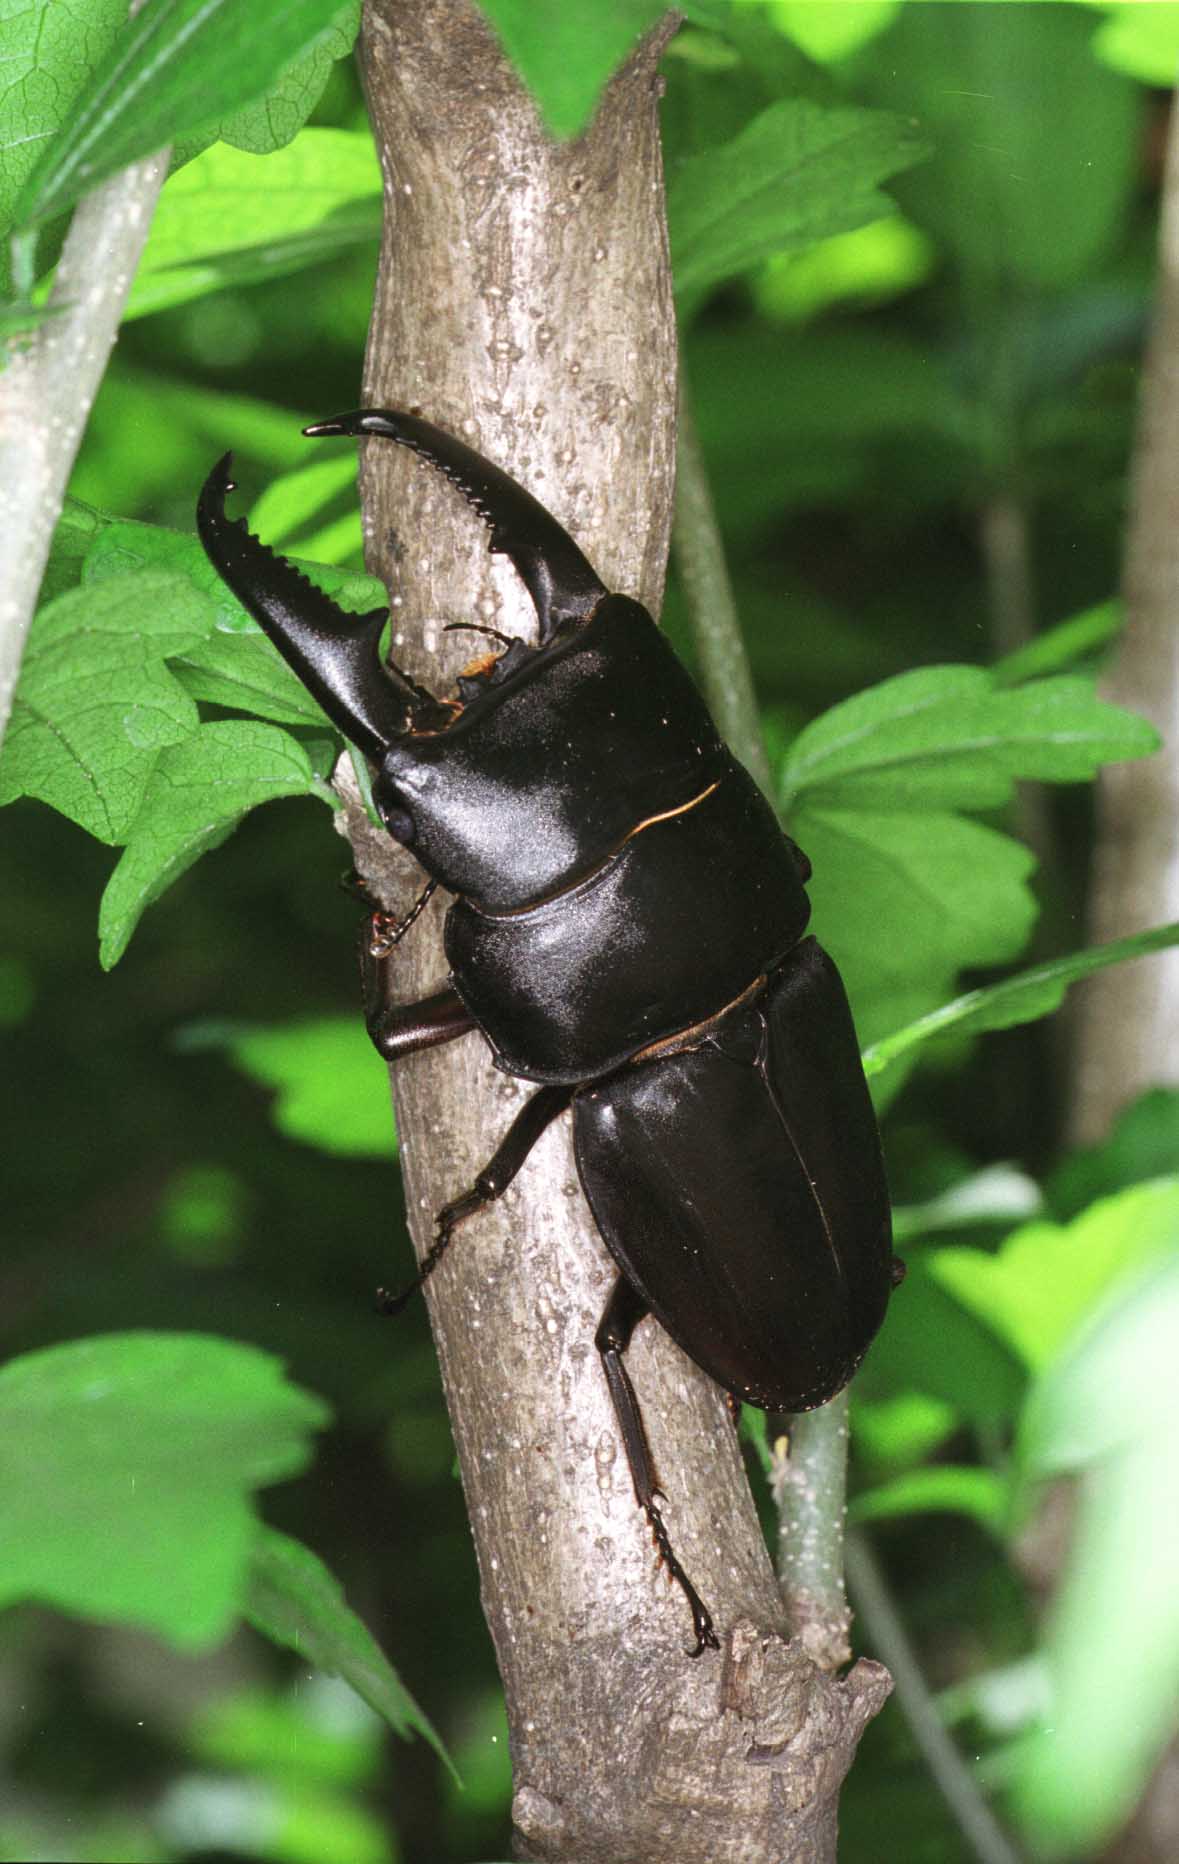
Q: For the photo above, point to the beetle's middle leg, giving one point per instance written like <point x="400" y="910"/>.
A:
<point x="624" y="1310"/>
<point x="534" y="1116"/>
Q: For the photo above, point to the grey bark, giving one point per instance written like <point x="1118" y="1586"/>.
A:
<point x="1128" y="1016"/>
<point x="524" y="300"/>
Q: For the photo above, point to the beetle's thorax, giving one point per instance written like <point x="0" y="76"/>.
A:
<point x="557" y="756"/>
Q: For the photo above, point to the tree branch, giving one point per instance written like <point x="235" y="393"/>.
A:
<point x="1128" y="1017"/>
<point x="524" y="300"/>
<point x="49" y="385"/>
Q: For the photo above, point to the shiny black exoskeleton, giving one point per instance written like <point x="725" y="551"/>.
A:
<point x="627" y="931"/>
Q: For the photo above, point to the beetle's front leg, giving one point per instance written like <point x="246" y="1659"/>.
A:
<point x="534" y="1116"/>
<point x="624" y="1310"/>
<point x="399" y="1029"/>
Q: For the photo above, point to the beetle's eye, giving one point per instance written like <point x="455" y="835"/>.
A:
<point x="399" y="823"/>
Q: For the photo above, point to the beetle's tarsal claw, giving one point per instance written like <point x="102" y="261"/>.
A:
<point x="560" y="580"/>
<point x="702" y="1625"/>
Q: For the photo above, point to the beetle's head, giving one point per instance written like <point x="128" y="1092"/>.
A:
<point x="337" y="655"/>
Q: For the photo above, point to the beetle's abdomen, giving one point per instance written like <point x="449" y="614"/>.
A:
<point x="740" y="1188"/>
<point x="667" y="932"/>
<point x="548" y="769"/>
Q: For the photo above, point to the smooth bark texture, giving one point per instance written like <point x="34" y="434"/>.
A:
<point x="1128" y="1016"/>
<point x="524" y="301"/>
<point x="48" y="385"/>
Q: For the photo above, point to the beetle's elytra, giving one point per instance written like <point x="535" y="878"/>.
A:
<point x="628" y="932"/>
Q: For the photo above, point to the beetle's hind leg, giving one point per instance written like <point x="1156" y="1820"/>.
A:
<point x="624" y="1310"/>
<point x="534" y="1116"/>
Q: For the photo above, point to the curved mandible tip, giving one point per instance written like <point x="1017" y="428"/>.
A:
<point x="335" y="654"/>
<point x="560" y="581"/>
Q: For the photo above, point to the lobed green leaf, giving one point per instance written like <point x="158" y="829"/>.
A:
<point x="235" y="218"/>
<point x="129" y="1458"/>
<point x="1020" y="999"/>
<point x="177" y="67"/>
<point x="51" y="49"/>
<point x="96" y="704"/>
<point x="198" y="793"/>
<point x="1047" y="1277"/>
<point x="905" y="900"/>
<point x="948" y="736"/>
<point x="798" y="173"/>
<point x="566" y="54"/>
<point x="332" y="1087"/>
<point x="295" y="1601"/>
<point x="234" y="665"/>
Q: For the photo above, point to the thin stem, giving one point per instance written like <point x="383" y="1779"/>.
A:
<point x="49" y="385"/>
<point x="887" y="1639"/>
<point x="700" y="560"/>
<point x="811" y="1490"/>
<point x="808" y="1480"/>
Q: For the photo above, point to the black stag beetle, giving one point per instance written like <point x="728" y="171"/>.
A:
<point x="627" y="932"/>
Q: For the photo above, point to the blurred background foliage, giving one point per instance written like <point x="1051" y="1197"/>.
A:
<point x="917" y="430"/>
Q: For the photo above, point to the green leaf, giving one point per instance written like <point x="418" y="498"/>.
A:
<point x="906" y="894"/>
<point x="936" y="1345"/>
<point x="279" y="115"/>
<point x="854" y="396"/>
<point x="1107" y="1407"/>
<point x="943" y="1488"/>
<point x="294" y="1600"/>
<point x="291" y="502"/>
<point x="1111" y="1387"/>
<point x="246" y="673"/>
<point x="831" y="33"/>
<point x="892" y="1434"/>
<point x="230" y="217"/>
<point x="871" y="264"/>
<point x="1037" y="144"/>
<point x="96" y="704"/>
<point x="1021" y="999"/>
<point x="127" y="1464"/>
<point x="905" y="901"/>
<point x="798" y="173"/>
<point x="566" y="54"/>
<point x="1081" y="637"/>
<point x="177" y="67"/>
<point x="198" y="793"/>
<point x="1140" y="41"/>
<point x="74" y="536"/>
<point x="121" y="547"/>
<point x="947" y="736"/>
<point x="1048" y="1276"/>
<point x="235" y="664"/>
<point x="1142" y="1143"/>
<point x="51" y="48"/>
<point x="333" y="1088"/>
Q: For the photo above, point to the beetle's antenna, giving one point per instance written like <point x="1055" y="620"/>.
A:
<point x="336" y="655"/>
<point x="386" y="930"/>
<point x="476" y="627"/>
<point x="560" y="580"/>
